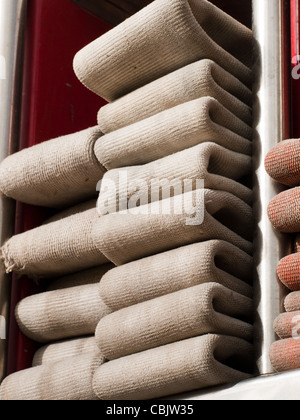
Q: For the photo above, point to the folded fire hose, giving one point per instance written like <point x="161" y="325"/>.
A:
<point x="154" y="297"/>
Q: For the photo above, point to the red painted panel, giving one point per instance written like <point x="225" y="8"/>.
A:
<point x="54" y="103"/>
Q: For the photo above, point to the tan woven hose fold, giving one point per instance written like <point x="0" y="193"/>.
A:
<point x="56" y="173"/>
<point x="196" y="80"/>
<point x="285" y="355"/>
<point x="198" y="310"/>
<point x="59" y="314"/>
<point x="69" y="379"/>
<point x="184" y="126"/>
<point x="56" y="248"/>
<point x="219" y="169"/>
<point x="187" y="365"/>
<point x="90" y="276"/>
<point x="64" y="349"/>
<point x="161" y="38"/>
<point x="170" y="223"/>
<point x="151" y="277"/>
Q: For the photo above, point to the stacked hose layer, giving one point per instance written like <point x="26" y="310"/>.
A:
<point x="156" y="297"/>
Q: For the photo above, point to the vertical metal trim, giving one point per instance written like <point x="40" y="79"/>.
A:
<point x="12" y="24"/>
<point x="271" y="125"/>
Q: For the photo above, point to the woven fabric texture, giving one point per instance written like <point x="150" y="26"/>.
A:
<point x="70" y="380"/>
<point x="191" y="312"/>
<point x="282" y="162"/>
<point x="287" y="325"/>
<point x="90" y="276"/>
<point x="197" y="216"/>
<point x="61" y="350"/>
<point x="285" y="355"/>
<point x="60" y="314"/>
<point x="171" y="271"/>
<point x="57" y="173"/>
<point x="288" y="272"/>
<point x="200" y="79"/>
<point x="70" y="211"/>
<point x="292" y="302"/>
<point x="56" y="248"/>
<point x="161" y="38"/>
<point x="178" y="128"/>
<point x="157" y="299"/>
<point x="186" y="365"/>
<point x="284" y="211"/>
<point x="219" y="169"/>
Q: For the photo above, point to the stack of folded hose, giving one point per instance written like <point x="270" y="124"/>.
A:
<point x="149" y="294"/>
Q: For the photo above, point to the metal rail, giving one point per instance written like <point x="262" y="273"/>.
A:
<point x="12" y="22"/>
<point x="271" y="125"/>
